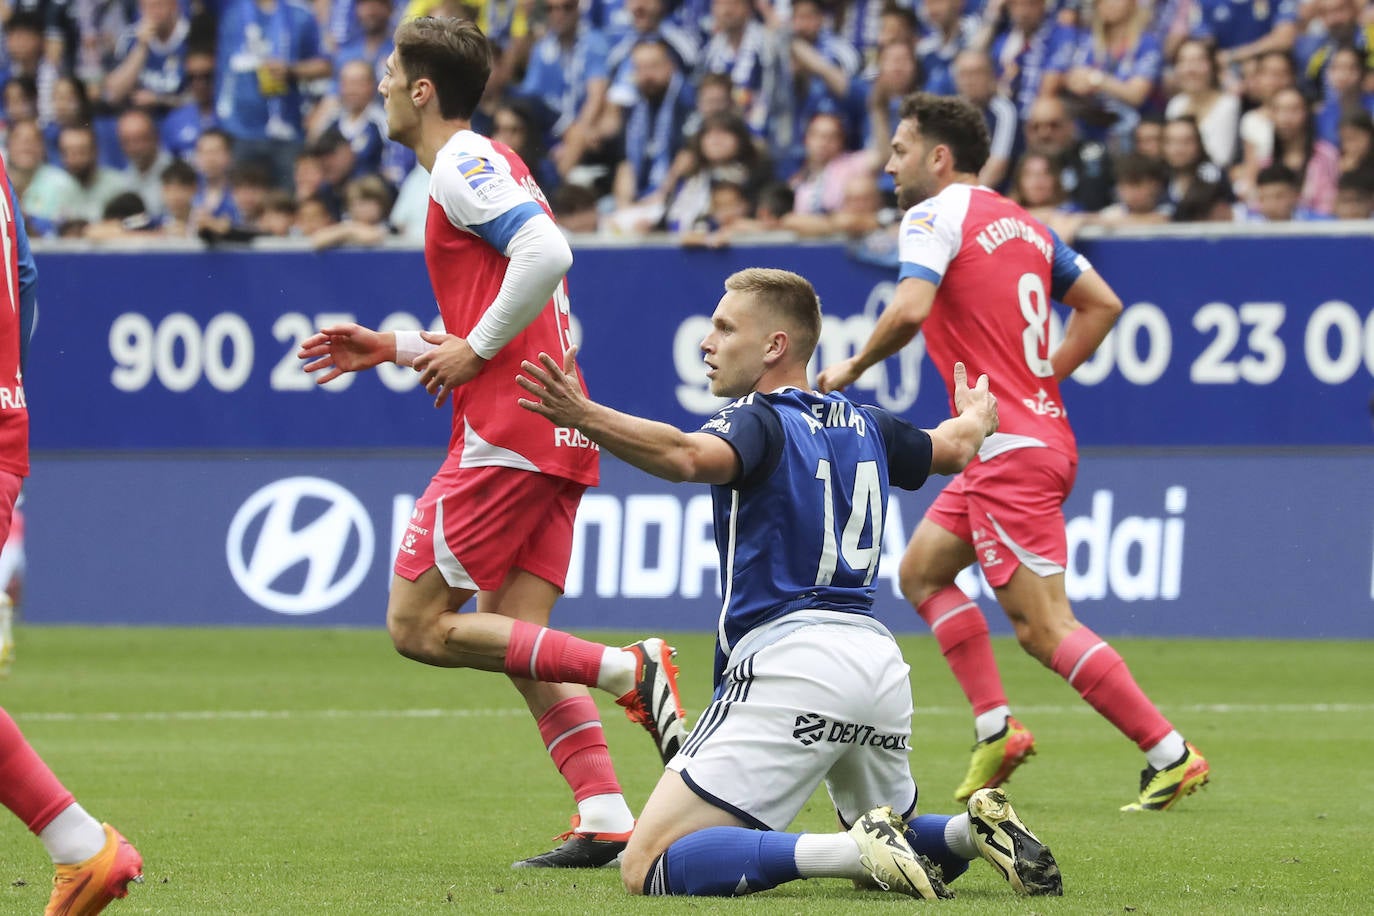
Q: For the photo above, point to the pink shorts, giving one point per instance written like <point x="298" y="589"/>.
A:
<point x="478" y="524"/>
<point x="1011" y="509"/>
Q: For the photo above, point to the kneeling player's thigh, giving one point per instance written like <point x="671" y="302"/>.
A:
<point x="874" y="768"/>
<point x="473" y="524"/>
<point x="760" y="749"/>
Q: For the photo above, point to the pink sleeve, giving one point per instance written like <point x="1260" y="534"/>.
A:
<point x="1319" y="185"/>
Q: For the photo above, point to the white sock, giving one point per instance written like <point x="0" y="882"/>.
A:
<point x="828" y="855"/>
<point x="959" y="837"/>
<point x="73" y="836"/>
<point x="1167" y="752"/>
<point x="617" y="674"/>
<point x="988" y="724"/>
<point x="605" y="814"/>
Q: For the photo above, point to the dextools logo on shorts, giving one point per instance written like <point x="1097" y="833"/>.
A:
<point x="812" y="728"/>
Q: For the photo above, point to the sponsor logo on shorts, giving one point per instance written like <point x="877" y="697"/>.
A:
<point x="813" y="728"/>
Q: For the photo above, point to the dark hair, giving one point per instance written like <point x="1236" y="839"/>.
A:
<point x="279" y="201"/>
<point x="533" y="150"/>
<point x="952" y="122"/>
<point x="572" y="198"/>
<point x="904" y="13"/>
<point x="789" y="296"/>
<point x="27" y="85"/>
<point x="179" y="171"/>
<point x="1309" y="139"/>
<point x="452" y="54"/>
<point x="1277" y="173"/>
<point x="124" y="205"/>
<point x="83" y="98"/>
<point x="24" y="22"/>
<point x="777" y="198"/>
<point x="1135" y="168"/>
<point x="218" y="133"/>
<point x="1191" y="122"/>
<point x="1209" y="48"/>
<point x="1200" y="198"/>
<point x="1346" y="47"/>
<point x="329" y="141"/>
<point x="252" y="174"/>
<point x="1359" y="180"/>
<point x="748" y="154"/>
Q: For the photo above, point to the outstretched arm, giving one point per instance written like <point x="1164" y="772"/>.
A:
<point x="346" y="348"/>
<point x="658" y="448"/>
<point x="1095" y="309"/>
<point x="899" y="322"/>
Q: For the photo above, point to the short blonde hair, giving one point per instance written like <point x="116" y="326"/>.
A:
<point x="790" y="297"/>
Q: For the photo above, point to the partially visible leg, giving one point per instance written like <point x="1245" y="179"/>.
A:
<point x="1047" y="629"/>
<point x="941" y="546"/>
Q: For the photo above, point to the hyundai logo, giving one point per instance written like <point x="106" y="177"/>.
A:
<point x="300" y="545"/>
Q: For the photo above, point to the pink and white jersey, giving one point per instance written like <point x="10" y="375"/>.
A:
<point x="996" y="267"/>
<point x="14" y="411"/>
<point x="480" y="195"/>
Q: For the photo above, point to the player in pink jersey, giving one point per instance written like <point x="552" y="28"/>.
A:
<point x="977" y="275"/>
<point x="496" y="521"/>
<point x="94" y="864"/>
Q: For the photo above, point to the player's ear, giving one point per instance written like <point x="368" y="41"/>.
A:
<point x="777" y="348"/>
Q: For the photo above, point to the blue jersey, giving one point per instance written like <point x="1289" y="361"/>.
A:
<point x="248" y="37"/>
<point x="801" y="528"/>
<point x="1232" y="23"/>
<point x="164" y="69"/>
<point x="558" y="76"/>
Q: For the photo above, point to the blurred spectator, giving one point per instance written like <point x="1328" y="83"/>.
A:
<point x="1357" y="142"/>
<point x="776" y="201"/>
<point x="151" y="56"/>
<point x="1186" y="158"/>
<point x="249" y="183"/>
<point x="278" y="213"/>
<point x="818" y="71"/>
<point x="1241" y="31"/>
<point x="1200" y="95"/>
<point x="1206" y="202"/>
<point x="646" y="21"/>
<point x="1026" y="49"/>
<point x="1149" y="137"/>
<point x="867" y="25"/>
<point x="1141" y="186"/>
<point x="574" y="206"/>
<point x="949" y="31"/>
<point x="24" y="58"/>
<point x="1272" y="71"/>
<point x="897" y="76"/>
<point x="1337" y="24"/>
<point x="723" y="150"/>
<point x="727" y="213"/>
<point x="313" y="215"/>
<point x="367" y="203"/>
<point x="974" y="79"/>
<point x="371" y="42"/>
<point x="1343" y="91"/>
<point x="714" y="95"/>
<point x="146" y="158"/>
<point x="1084" y="167"/>
<point x="745" y="51"/>
<point x="1038" y="187"/>
<point x="72" y="108"/>
<point x="184" y="124"/>
<point x="307" y="177"/>
<point x="267" y="48"/>
<point x="1111" y="72"/>
<point x="411" y="209"/>
<point x="897" y="24"/>
<point x="357" y="115"/>
<point x="124" y="218"/>
<point x="819" y="184"/>
<point x="213" y="202"/>
<point x="1297" y="146"/>
<point x="1355" y="195"/>
<point x="46" y="193"/>
<point x="861" y="211"/>
<point x="338" y="164"/>
<point x="653" y="132"/>
<point x="1276" y="198"/>
<point x="567" y="73"/>
<point x="516" y="125"/>
<point x="96" y="185"/>
<point x="178" y="191"/>
<point x="21" y="99"/>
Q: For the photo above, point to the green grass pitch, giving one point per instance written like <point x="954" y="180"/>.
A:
<point x="308" y="771"/>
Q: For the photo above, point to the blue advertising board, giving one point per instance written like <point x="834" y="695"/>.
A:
<point x="1278" y="545"/>
<point x="1230" y="341"/>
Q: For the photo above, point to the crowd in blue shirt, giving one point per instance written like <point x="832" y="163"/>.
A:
<point x="228" y="119"/>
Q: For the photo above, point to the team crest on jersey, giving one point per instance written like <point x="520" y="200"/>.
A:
<point x="476" y="171"/>
<point x="920" y="222"/>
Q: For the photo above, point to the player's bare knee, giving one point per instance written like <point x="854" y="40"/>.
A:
<point x="915" y="584"/>
<point x="633" y="869"/>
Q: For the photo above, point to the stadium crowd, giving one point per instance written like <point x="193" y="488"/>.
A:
<point x="227" y="120"/>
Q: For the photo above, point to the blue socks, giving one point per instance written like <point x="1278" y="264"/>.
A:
<point x="724" y="862"/>
<point x="926" y="835"/>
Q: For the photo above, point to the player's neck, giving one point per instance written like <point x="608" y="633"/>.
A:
<point x="968" y="178"/>
<point x="433" y="135"/>
<point x="792" y="377"/>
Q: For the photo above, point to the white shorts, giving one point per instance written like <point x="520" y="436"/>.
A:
<point x="826" y="702"/>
